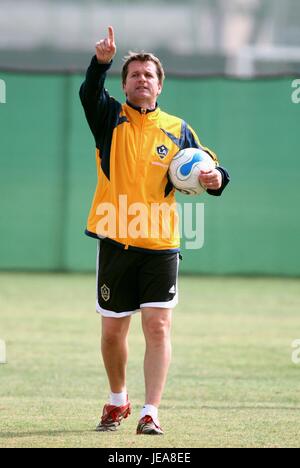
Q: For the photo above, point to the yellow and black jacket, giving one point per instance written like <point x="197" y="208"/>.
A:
<point x="134" y="148"/>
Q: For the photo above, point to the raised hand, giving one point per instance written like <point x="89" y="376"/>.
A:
<point x="106" y="48"/>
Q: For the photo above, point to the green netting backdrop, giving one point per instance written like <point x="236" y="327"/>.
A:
<point x="47" y="173"/>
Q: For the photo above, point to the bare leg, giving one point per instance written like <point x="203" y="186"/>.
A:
<point x="156" y="326"/>
<point x="114" y="347"/>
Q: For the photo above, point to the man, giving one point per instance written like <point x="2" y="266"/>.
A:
<point x="135" y="143"/>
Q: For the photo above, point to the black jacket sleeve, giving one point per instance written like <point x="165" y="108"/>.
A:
<point x="94" y="97"/>
<point x="225" y="181"/>
<point x="101" y="110"/>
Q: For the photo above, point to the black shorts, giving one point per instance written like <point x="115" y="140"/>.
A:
<point x="129" y="280"/>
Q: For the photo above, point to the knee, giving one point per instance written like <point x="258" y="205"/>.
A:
<point x="157" y="330"/>
<point x="113" y="335"/>
<point x="110" y="338"/>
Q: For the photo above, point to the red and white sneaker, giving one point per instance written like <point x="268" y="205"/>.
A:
<point x="112" y="417"/>
<point x="147" y="426"/>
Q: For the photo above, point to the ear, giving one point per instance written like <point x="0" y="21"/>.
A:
<point x="160" y="87"/>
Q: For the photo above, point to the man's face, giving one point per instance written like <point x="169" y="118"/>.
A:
<point x="142" y="85"/>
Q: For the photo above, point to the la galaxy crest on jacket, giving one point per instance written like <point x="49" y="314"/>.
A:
<point x="134" y="202"/>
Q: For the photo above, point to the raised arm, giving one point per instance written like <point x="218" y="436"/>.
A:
<point x="101" y="110"/>
<point x="94" y="98"/>
<point x="96" y="73"/>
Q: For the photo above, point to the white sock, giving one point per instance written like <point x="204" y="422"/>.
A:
<point x="118" y="399"/>
<point x="150" y="410"/>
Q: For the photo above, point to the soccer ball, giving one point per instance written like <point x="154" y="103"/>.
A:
<point x="185" y="169"/>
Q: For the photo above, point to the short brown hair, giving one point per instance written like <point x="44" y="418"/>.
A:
<point x="142" y="57"/>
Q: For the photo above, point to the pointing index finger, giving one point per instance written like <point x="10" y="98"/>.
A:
<point x="111" y="35"/>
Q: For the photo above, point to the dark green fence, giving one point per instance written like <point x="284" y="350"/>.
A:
<point x="47" y="173"/>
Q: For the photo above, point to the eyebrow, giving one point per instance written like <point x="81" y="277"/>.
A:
<point x="146" y="71"/>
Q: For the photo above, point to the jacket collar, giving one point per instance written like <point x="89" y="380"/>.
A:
<point x="140" y="109"/>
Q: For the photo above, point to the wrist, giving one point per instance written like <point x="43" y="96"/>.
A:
<point x="103" y="65"/>
<point x="104" y="62"/>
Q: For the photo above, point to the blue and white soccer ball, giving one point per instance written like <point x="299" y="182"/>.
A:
<point x="185" y="169"/>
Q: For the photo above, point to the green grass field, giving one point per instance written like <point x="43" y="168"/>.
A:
<point x="232" y="382"/>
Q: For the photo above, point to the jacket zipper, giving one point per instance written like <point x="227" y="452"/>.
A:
<point x="143" y="117"/>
